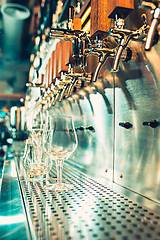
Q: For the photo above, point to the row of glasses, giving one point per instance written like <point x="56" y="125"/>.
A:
<point x="56" y="141"/>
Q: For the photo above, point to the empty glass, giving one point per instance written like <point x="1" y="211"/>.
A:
<point x="35" y="161"/>
<point x="60" y="144"/>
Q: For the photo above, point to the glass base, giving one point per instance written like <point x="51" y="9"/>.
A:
<point x="31" y="178"/>
<point x="63" y="187"/>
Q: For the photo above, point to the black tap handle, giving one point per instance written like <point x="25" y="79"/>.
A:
<point x="126" y="125"/>
<point x="90" y="128"/>
<point x="71" y="13"/>
<point x="152" y="123"/>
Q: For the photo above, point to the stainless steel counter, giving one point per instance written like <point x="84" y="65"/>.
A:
<point x="13" y="221"/>
<point x="94" y="209"/>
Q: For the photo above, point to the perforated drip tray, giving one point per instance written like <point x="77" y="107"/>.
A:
<point x="89" y="211"/>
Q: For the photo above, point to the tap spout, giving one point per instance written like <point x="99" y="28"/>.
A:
<point x="117" y="58"/>
<point x="57" y="96"/>
<point x="95" y="76"/>
<point x="103" y="55"/>
<point x="65" y="88"/>
<point x="72" y="84"/>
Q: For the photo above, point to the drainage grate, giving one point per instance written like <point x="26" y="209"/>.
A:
<point x="90" y="211"/>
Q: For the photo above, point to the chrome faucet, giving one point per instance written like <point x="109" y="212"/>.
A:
<point x="124" y="36"/>
<point x="78" y="78"/>
<point x="154" y="7"/>
<point x="103" y="53"/>
<point x="102" y="49"/>
<point x="80" y="40"/>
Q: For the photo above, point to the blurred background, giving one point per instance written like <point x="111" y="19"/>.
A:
<point x="16" y="44"/>
<point x="20" y="22"/>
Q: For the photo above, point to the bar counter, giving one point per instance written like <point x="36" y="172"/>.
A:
<point x="94" y="209"/>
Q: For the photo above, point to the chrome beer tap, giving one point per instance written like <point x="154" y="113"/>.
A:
<point x="102" y="52"/>
<point x="78" y="77"/>
<point x="105" y="49"/>
<point x="65" y="83"/>
<point x="58" y="88"/>
<point x="123" y="36"/>
<point x="154" y="7"/>
<point x="80" y="39"/>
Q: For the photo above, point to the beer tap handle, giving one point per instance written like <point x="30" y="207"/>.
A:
<point x="152" y="30"/>
<point x="103" y="54"/>
<point x="154" y="7"/>
<point x="71" y="12"/>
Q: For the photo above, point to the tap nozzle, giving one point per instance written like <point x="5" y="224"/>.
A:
<point x="103" y="54"/>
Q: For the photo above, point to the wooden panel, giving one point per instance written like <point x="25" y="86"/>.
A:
<point x="63" y="51"/>
<point x="120" y="7"/>
<point x="91" y="64"/>
<point x="77" y="23"/>
<point x="68" y="58"/>
<point x="57" y="54"/>
<point x="42" y="79"/>
<point x="46" y="77"/>
<point x="49" y="73"/>
<point x="53" y="67"/>
<point x="102" y="9"/>
<point x="99" y="18"/>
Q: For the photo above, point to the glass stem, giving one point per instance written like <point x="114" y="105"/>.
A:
<point x="59" y="166"/>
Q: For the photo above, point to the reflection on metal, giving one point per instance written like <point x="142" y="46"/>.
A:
<point x="99" y="86"/>
<point x="13" y="221"/>
<point x="87" y="95"/>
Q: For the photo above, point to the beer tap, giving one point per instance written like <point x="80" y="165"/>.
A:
<point x="102" y="52"/>
<point x="57" y="91"/>
<point x="105" y="49"/>
<point x="80" y="39"/>
<point x="154" y="7"/>
<point x="77" y="79"/>
<point x="123" y="36"/>
<point x="66" y="84"/>
<point x="63" y="84"/>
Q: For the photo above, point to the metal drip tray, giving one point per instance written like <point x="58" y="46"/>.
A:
<point x="90" y="211"/>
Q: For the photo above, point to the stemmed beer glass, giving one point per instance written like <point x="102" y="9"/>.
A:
<point x="60" y="143"/>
